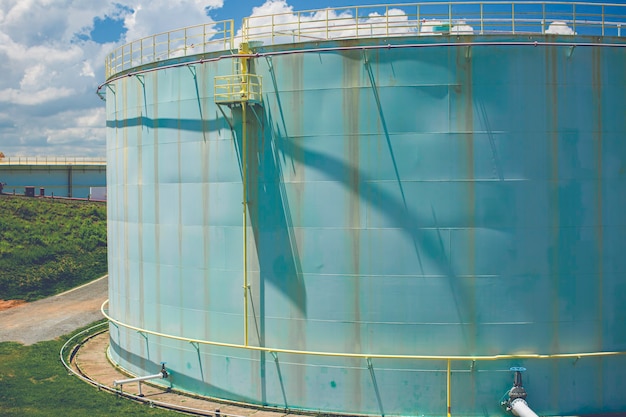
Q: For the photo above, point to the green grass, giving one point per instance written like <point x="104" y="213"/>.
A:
<point x="49" y="246"/>
<point x="34" y="383"/>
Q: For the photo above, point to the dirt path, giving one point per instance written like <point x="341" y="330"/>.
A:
<point x="54" y="316"/>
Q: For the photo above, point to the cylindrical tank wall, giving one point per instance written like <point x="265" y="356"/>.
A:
<point x="447" y="200"/>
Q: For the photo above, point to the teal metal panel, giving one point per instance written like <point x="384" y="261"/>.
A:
<point x="418" y="201"/>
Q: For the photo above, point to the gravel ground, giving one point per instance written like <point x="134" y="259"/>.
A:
<point x="54" y="316"/>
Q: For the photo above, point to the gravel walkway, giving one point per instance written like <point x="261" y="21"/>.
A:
<point x="54" y="316"/>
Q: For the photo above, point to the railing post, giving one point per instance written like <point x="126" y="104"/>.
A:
<point x="122" y="57"/>
<point x="603" y="20"/>
<point x="387" y="20"/>
<point x="482" y="20"/>
<point x="326" y="24"/>
<point x="418" y="19"/>
<point x="574" y="17"/>
<point x="232" y="33"/>
<point x="513" y="18"/>
<point x="543" y="18"/>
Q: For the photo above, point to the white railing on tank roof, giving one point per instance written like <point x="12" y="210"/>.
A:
<point x="374" y="21"/>
<point x="191" y="40"/>
<point x="437" y="18"/>
<point x="52" y="160"/>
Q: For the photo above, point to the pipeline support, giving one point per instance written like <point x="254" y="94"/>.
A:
<point x="163" y="374"/>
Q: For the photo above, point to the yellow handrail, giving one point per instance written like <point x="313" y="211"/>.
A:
<point x="436" y="18"/>
<point x="237" y="88"/>
<point x="378" y="20"/>
<point x="367" y="355"/>
<point x="191" y="40"/>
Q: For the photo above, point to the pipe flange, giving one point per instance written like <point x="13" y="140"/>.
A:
<point x="517" y="392"/>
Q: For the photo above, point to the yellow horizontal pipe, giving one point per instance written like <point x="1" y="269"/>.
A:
<point x="362" y="355"/>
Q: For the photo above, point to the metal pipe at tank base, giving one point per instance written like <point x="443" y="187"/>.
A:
<point x="163" y="374"/>
<point x="520" y="408"/>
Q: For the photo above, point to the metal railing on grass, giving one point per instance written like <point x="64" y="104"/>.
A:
<point x="67" y="356"/>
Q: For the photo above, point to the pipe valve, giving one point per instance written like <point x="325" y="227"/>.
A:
<point x="518" y="390"/>
<point x="516" y="404"/>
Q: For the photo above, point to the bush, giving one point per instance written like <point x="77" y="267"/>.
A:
<point x="49" y="246"/>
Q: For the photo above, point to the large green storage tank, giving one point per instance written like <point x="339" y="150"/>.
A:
<point x="429" y="200"/>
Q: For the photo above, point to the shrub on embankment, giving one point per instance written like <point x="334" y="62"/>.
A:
<point x="49" y="245"/>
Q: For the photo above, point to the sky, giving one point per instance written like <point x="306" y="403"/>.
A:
<point x="52" y="61"/>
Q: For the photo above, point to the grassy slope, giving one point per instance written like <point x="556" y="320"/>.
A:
<point x="48" y="246"/>
<point x="45" y="247"/>
<point x="34" y="383"/>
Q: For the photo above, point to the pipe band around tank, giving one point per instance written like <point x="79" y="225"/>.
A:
<point x="362" y="355"/>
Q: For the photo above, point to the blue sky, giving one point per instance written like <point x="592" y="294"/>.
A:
<point x="52" y="60"/>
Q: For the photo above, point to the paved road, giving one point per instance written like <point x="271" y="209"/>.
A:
<point x="54" y="316"/>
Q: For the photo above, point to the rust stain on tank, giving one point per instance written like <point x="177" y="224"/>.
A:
<point x="596" y="71"/>
<point x="140" y="127"/>
<point x="352" y="82"/>
<point x="294" y="141"/>
<point x="205" y="166"/>
<point x="465" y="126"/>
<point x="552" y="61"/>
<point x="129" y="280"/>
<point x="157" y="203"/>
<point x="298" y="111"/>
<point x="179" y="165"/>
<point x="552" y="112"/>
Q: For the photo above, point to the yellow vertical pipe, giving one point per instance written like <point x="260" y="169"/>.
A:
<point x="448" y="389"/>
<point x="244" y="170"/>
<point x="245" y="223"/>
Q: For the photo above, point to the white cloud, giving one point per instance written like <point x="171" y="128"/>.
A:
<point x="87" y="70"/>
<point x="288" y="26"/>
<point x="560" y="28"/>
<point x="159" y="16"/>
<point x="33" y="77"/>
<point x="50" y="68"/>
<point x="30" y="98"/>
